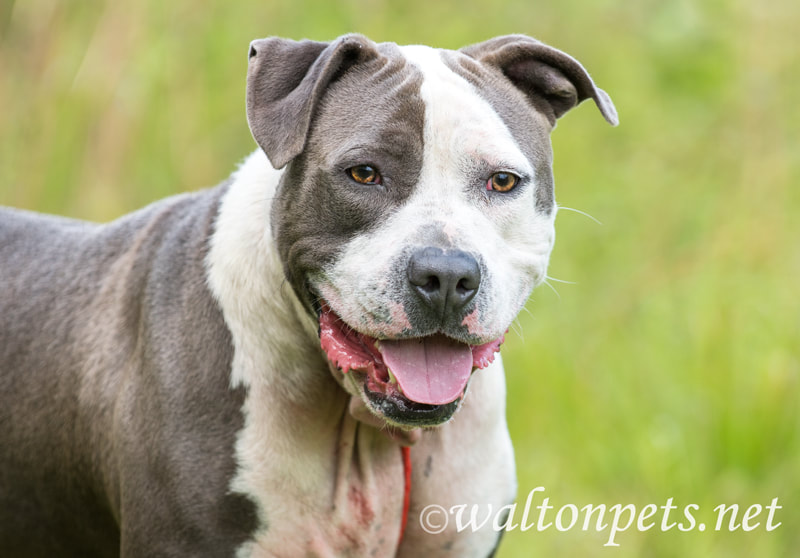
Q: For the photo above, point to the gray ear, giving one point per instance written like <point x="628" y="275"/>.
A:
<point x="553" y="80"/>
<point x="285" y="81"/>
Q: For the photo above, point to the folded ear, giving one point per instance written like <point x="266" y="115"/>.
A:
<point x="286" y="80"/>
<point x="554" y="81"/>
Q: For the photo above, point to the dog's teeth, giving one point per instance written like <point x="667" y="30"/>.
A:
<point x="393" y="381"/>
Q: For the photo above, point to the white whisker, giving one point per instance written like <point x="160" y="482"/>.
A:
<point x="516" y="327"/>
<point x="552" y="288"/>
<point x="560" y="207"/>
<point x="561" y="281"/>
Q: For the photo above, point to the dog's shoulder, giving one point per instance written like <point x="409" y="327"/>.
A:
<point x="31" y="239"/>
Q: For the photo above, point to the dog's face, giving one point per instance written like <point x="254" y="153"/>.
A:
<point x="416" y="212"/>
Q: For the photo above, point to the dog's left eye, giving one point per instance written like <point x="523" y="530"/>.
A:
<point x="364" y="174"/>
<point x="502" y="181"/>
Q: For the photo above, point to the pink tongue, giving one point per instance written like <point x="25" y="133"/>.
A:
<point x="432" y="370"/>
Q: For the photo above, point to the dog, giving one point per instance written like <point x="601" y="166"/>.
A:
<point x="298" y="361"/>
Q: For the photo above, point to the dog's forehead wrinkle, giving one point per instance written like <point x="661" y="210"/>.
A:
<point x="369" y="98"/>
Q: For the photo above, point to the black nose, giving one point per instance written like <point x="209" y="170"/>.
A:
<point x="445" y="280"/>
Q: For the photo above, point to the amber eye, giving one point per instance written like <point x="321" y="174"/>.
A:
<point x="502" y="182"/>
<point x="364" y="174"/>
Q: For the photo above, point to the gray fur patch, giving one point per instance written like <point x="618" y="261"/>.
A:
<point x="372" y="114"/>
<point x="113" y="356"/>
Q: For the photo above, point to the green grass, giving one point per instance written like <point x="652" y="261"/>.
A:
<point x="670" y="368"/>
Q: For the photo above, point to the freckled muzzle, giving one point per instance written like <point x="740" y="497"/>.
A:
<point x="411" y="382"/>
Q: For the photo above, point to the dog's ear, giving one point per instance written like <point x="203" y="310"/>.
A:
<point x="554" y="81"/>
<point x="285" y="81"/>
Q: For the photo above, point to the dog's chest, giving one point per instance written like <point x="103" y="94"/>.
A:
<point x="335" y="490"/>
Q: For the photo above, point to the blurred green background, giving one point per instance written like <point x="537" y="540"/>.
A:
<point x="667" y="368"/>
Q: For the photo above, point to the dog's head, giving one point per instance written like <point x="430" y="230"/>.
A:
<point x="415" y="214"/>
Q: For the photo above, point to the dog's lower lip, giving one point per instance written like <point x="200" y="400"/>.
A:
<point x="399" y="397"/>
<point x="402" y="411"/>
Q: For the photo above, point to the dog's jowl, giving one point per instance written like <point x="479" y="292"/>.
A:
<point x="240" y="371"/>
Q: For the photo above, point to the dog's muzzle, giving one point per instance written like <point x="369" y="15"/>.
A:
<point x="415" y="379"/>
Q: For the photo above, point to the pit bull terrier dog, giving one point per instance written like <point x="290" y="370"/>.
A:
<point x="234" y="372"/>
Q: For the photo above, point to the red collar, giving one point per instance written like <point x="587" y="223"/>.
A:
<point x="406" y="451"/>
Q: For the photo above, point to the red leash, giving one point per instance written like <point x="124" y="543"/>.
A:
<point x="406" y="451"/>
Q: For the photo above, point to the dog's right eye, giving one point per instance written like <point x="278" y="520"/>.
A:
<point x="364" y="174"/>
<point x="502" y="182"/>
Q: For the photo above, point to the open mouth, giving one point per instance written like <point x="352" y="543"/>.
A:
<point x="414" y="382"/>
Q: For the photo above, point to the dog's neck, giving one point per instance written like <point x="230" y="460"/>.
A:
<point x="295" y="413"/>
<point x="267" y="321"/>
<point x="245" y="274"/>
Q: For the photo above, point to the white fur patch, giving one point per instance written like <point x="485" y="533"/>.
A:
<point x="318" y="477"/>
<point x="245" y="272"/>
